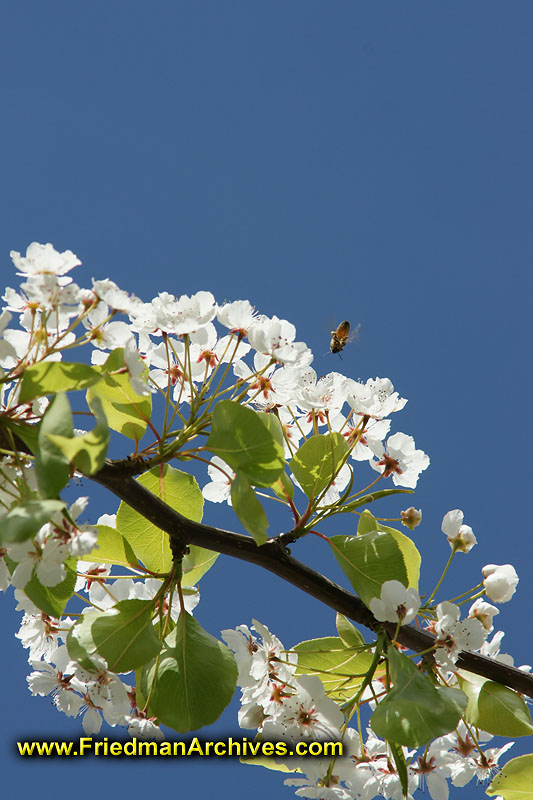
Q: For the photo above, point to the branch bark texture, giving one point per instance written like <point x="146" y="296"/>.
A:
<point x="119" y="479"/>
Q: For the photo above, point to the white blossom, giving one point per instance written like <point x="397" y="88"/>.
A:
<point x="375" y="398"/>
<point x="484" y="612"/>
<point x="500" y="582"/>
<point x="44" y="258"/>
<point x="453" y="635"/>
<point x="109" y="292"/>
<point x="237" y="316"/>
<point x="396" y="603"/>
<point x="308" y="713"/>
<point x="219" y="488"/>
<point x="401" y="460"/>
<point x="275" y="337"/>
<point x="461" y="537"/>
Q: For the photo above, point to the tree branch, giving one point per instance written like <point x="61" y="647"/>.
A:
<point x="273" y="557"/>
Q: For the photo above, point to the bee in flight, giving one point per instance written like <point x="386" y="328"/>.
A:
<point x="341" y="337"/>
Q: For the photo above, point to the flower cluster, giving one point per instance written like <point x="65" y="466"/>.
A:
<point x="192" y="354"/>
<point x="172" y="346"/>
<point x="284" y="704"/>
<point x="99" y="694"/>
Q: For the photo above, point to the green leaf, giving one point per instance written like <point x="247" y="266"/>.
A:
<point x="51" y="465"/>
<point x="283" y="487"/>
<point x="341" y="669"/>
<point x="268" y="763"/>
<point x="371" y="498"/>
<point x="515" y="781"/>
<point x="415" y="710"/>
<point x="193" y="680"/>
<point x="317" y="461"/>
<point x="111" y="548"/>
<point x="149" y="543"/>
<point x="248" y="441"/>
<point x="248" y="508"/>
<point x="367" y="523"/>
<point x="29" y="434"/>
<point x="86" y="452"/>
<point x="23" y="521"/>
<point x="372" y="558"/>
<point x="401" y="767"/>
<point x="126" y="411"/>
<point x="411" y="556"/>
<point x="196" y="563"/>
<point x="348" y="632"/>
<point x="495" y="708"/>
<point x="271" y="421"/>
<point x="124" y="635"/>
<point x="52" y="600"/>
<point x="50" y="377"/>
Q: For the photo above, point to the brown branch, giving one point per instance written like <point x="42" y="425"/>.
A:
<point x="273" y="557"/>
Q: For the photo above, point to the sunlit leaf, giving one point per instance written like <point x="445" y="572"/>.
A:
<point x="123" y="635"/>
<point x="149" y="543"/>
<point x="248" y="508"/>
<point x="192" y="681"/>
<point x="317" y="462"/>
<point x="248" y="441"/>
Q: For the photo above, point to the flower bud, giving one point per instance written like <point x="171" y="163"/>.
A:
<point x="500" y="581"/>
<point x="411" y="517"/>
<point x="460" y="537"/>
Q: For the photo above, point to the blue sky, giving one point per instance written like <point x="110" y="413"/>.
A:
<point x="326" y="161"/>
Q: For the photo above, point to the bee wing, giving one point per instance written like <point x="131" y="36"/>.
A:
<point x="354" y="334"/>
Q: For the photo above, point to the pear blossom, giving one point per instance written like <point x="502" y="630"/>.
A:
<point x="368" y="442"/>
<point x="266" y="673"/>
<point x="461" y="537"/>
<point x="45" y="291"/>
<point x="308" y="714"/>
<point x="118" y="299"/>
<point x="319" y="792"/>
<point x="143" y="728"/>
<point x="484" y="612"/>
<point x="401" y="460"/>
<point x="226" y="349"/>
<point x="320" y="393"/>
<point x="492" y="648"/>
<point x="45" y="554"/>
<point x="375" y="398"/>
<point x="500" y="582"/>
<point x="89" y="572"/>
<point x="181" y="315"/>
<point x="5" y="319"/>
<point x="481" y="767"/>
<point x="275" y="337"/>
<point x="41" y="634"/>
<point x="8" y="354"/>
<point x="396" y="603"/>
<point x="205" y="337"/>
<point x="337" y="486"/>
<point x="111" y="335"/>
<point x="5" y="575"/>
<point x="259" y="659"/>
<point x="453" y="635"/>
<point x="44" y="258"/>
<point x="136" y="368"/>
<point x="105" y="595"/>
<point x="272" y="386"/>
<point x="55" y="677"/>
<point x="168" y="368"/>
<point x="219" y="489"/>
<point x="237" y="316"/>
<point x="21" y="341"/>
